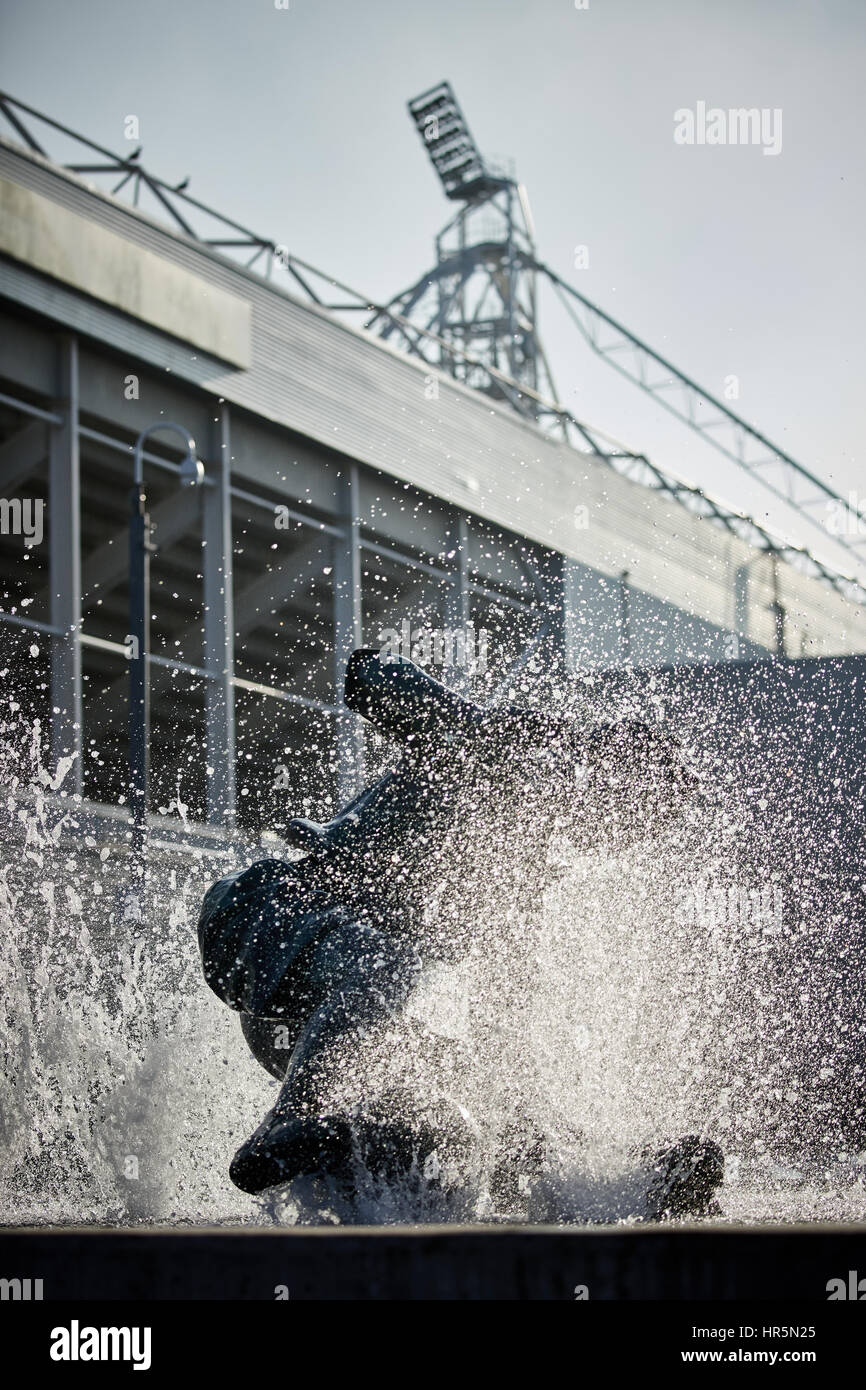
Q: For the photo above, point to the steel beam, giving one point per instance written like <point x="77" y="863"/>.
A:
<point x="593" y="614"/>
<point x="218" y="652"/>
<point x="348" y="630"/>
<point x="64" y="511"/>
<point x="625" y="619"/>
<point x="458" y="610"/>
<point x="139" y="684"/>
<point x="549" y="578"/>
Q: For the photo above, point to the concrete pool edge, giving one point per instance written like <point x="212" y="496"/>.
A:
<point x="471" y="1262"/>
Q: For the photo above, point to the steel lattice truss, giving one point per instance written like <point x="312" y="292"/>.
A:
<point x="489" y="342"/>
<point x="703" y="412"/>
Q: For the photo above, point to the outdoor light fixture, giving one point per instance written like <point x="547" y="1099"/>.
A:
<point x="192" y="469"/>
<point x="453" y="153"/>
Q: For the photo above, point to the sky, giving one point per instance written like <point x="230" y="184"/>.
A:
<point x="727" y="260"/>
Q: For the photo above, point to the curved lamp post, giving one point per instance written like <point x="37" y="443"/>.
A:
<point x="140" y="549"/>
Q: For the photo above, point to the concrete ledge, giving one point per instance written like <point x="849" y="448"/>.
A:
<point x="435" y="1262"/>
<point x="98" y="262"/>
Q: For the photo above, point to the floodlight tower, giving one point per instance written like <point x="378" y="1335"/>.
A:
<point x="480" y="298"/>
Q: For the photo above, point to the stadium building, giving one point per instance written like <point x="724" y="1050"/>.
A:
<point x="351" y="490"/>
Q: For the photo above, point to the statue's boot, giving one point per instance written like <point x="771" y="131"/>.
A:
<point x="280" y="1151"/>
<point x="393" y="1142"/>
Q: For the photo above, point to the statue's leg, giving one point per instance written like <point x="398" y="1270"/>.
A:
<point x="361" y="976"/>
<point x="272" y="1041"/>
<point x="364" y="976"/>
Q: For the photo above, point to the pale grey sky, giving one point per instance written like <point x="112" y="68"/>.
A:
<point x="724" y="259"/>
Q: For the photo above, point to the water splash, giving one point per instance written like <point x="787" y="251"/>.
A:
<point x="614" y="1021"/>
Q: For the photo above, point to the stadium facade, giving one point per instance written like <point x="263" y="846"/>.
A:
<point x="350" y="491"/>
